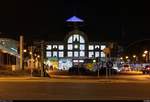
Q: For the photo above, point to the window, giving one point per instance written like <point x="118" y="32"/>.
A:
<point x="76" y="37"/>
<point x="76" y="46"/>
<point x="72" y="44"/>
<point x="69" y="46"/>
<point x="102" y="54"/>
<point x="70" y="39"/>
<point x="91" y="54"/>
<point x="69" y="54"/>
<point x="54" y="46"/>
<point x="96" y="46"/>
<point x="82" y="53"/>
<point x="81" y="61"/>
<point x="61" y="54"/>
<point x="82" y="47"/>
<point x="48" y="54"/>
<point x="91" y="47"/>
<point x="102" y="47"/>
<point x="96" y="54"/>
<point x="75" y="60"/>
<point x="49" y="47"/>
<point x="82" y="39"/>
<point x="76" y="54"/>
<point x="55" y="54"/>
<point x="61" y="47"/>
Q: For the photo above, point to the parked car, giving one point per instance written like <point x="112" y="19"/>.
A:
<point x="146" y="69"/>
<point x="126" y="67"/>
<point x="77" y="70"/>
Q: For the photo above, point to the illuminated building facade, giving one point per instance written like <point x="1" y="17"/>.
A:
<point x="74" y="49"/>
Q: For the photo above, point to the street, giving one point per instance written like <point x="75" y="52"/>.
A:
<point x="123" y="88"/>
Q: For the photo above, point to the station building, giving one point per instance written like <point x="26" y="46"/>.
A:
<point x="75" y="49"/>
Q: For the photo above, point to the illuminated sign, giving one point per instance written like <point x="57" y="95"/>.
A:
<point x="74" y="19"/>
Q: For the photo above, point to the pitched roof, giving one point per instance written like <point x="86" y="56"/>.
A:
<point x="74" y="19"/>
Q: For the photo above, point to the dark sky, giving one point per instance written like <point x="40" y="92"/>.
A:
<point x="121" y="20"/>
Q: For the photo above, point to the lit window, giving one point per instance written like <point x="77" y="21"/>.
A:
<point x="69" y="54"/>
<point x="49" y="47"/>
<point x="96" y="46"/>
<point x="82" y="53"/>
<point x="61" y="47"/>
<point x="75" y="60"/>
<point x="76" y="46"/>
<point x="96" y="54"/>
<point x="55" y="54"/>
<point x="55" y="46"/>
<point x="91" y="54"/>
<point x="102" y="47"/>
<point x="69" y="46"/>
<point x="61" y="54"/>
<point x="91" y="47"/>
<point x="76" y="37"/>
<point x="76" y="54"/>
<point x="82" y="47"/>
<point x="82" y="39"/>
<point x="102" y="54"/>
<point x="70" y="39"/>
<point x="48" y="54"/>
<point x="81" y="61"/>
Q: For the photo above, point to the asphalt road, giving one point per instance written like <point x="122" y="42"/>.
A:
<point x="75" y="89"/>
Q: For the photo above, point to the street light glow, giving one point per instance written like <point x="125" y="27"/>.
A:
<point x="94" y="61"/>
<point x="121" y="58"/>
<point x="134" y="56"/>
<point x="143" y="55"/>
<point x="24" y="50"/>
<point x="145" y="52"/>
<point x="127" y="57"/>
<point x="30" y="53"/>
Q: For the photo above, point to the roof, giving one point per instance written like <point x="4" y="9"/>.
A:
<point x="74" y="19"/>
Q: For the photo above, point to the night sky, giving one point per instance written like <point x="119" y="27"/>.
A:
<point x="105" y="20"/>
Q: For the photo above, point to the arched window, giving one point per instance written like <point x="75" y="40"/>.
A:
<point x="70" y="39"/>
<point x="76" y="46"/>
<point x="82" y="39"/>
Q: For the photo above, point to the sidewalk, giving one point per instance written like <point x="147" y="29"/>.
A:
<point x="61" y="78"/>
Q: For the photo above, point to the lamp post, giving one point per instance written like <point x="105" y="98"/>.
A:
<point x="21" y="51"/>
<point x="126" y="58"/>
<point x="31" y="53"/>
<point x="144" y="56"/>
<point x="134" y="58"/>
<point x="42" y="58"/>
<point x="146" y="52"/>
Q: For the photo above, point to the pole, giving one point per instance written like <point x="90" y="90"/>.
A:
<point x="31" y="61"/>
<point x="98" y="66"/>
<point x="148" y="56"/>
<point x="42" y="59"/>
<point x="106" y="67"/>
<point x="21" y="52"/>
<point x="98" y="72"/>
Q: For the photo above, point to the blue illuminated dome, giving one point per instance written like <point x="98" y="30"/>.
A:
<point x="74" y="19"/>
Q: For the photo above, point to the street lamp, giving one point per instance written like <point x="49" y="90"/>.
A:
<point x="127" y="57"/>
<point x="121" y="58"/>
<point x="38" y="56"/>
<point x="145" y="52"/>
<point x="146" y="55"/>
<point x="134" y="56"/>
<point x="30" y="53"/>
<point x="24" y="50"/>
